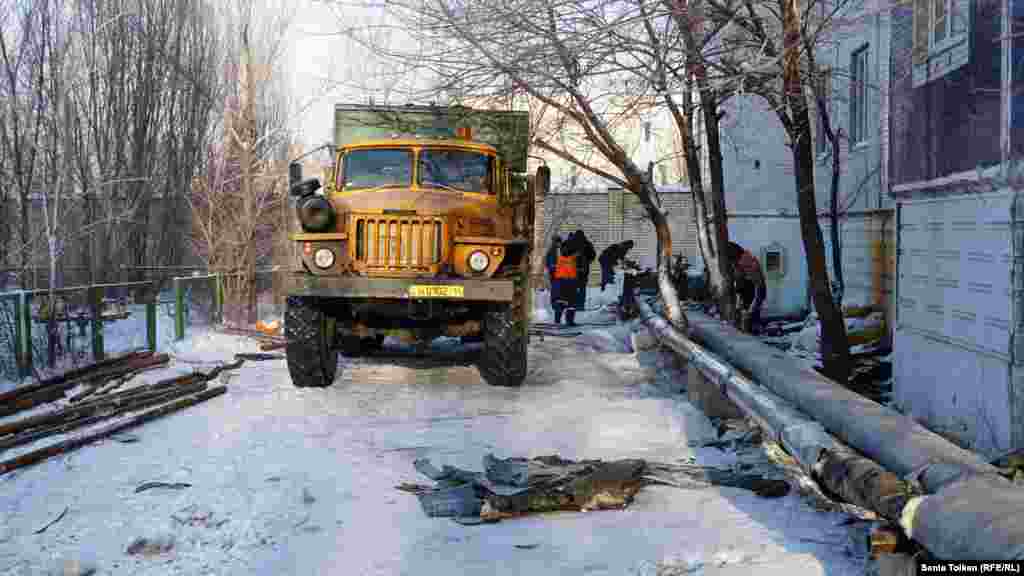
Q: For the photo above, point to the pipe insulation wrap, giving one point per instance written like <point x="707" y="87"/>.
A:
<point x="804" y="438"/>
<point x="970" y="513"/>
<point x="893" y="440"/>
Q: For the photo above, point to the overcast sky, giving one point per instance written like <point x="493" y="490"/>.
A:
<point x="327" y="66"/>
<point x="312" y="50"/>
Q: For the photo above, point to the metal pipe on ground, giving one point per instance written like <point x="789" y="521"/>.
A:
<point x="101" y="413"/>
<point x="969" y="511"/>
<point x="70" y="375"/>
<point x="833" y="464"/>
<point x="70" y="444"/>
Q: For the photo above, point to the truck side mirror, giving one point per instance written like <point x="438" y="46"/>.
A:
<point x="542" y="181"/>
<point x="294" y="174"/>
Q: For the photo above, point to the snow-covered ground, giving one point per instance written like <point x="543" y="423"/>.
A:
<point x="598" y="303"/>
<point x="301" y="481"/>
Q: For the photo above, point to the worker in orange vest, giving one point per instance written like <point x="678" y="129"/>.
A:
<point x="563" y="287"/>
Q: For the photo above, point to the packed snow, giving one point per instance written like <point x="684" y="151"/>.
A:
<point x="301" y="481"/>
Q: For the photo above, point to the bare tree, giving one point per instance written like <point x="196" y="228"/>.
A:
<point x="699" y="39"/>
<point x="24" y="114"/>
<point x="771" y="44"/>
<point x="235" y="202"/>
<point x="136" y="105"/>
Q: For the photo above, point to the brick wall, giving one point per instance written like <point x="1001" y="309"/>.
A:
<point x="611" y="216"/>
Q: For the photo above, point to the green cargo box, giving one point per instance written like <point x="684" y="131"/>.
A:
<point x="506" y="130"/>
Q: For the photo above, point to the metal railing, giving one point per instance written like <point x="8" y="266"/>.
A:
<point x="196" y="300"/>
<point x="82" y="324"/>
<point x="94" y="321"/>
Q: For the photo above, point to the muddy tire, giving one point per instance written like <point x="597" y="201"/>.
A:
<point x="506" y="339"/>
<point x="312" y="357"/>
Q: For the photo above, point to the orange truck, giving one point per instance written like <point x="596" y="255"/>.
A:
<point x="424" y="228"/>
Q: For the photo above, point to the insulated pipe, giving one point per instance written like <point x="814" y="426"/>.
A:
<point x="970" y="511"/>
<point x="833" y="464"/>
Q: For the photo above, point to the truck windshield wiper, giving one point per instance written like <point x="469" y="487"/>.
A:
<point x="442" y="186"/>
<point x="371" y="188"/>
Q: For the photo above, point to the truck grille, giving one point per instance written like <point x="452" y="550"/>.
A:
<point x="404" y="242"/>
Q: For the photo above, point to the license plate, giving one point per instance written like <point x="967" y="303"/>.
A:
<point x="434" y="291"/>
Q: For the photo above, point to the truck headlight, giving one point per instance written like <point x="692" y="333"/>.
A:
<point x="479" y="261"/>
<point x="323" y="258"/>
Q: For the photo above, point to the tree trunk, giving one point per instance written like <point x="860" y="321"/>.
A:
<point x="719" y="273"/>
<point x="248" y="151"/>
<point x="641" y="186"/>
<point x="714" y="242"/>
<point x="666" y="289"/>
<point x="835" y="350"/>
<point x="837" y="249"/>
<point x="720" y="228"/>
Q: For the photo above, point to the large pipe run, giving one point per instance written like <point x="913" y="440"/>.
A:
<point x="970" y="511"/>
<point x="840" y="469"/>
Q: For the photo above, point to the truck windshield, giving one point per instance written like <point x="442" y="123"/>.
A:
<point x="459" y="169"/>
<point x="377" y="167"/>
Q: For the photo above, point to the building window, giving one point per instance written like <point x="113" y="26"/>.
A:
<point x="858" y="95"/>
<point x="937" y="23"/>
<point x="773" y="261"/>
<point x="940" y="38"/>
<point x="825" y="89"/>
<point x="647" y="131"/>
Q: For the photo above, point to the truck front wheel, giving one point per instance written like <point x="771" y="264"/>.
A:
<point x="312" y="357"/>
<point x="503" y="359"/>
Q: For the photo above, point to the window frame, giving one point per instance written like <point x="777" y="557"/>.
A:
<point x="950" y="36"/>
<point x="857" y="114"/>
<point x="490" y="183"/>
<point x="344" y="168"/>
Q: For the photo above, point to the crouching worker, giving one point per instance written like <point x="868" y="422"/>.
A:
<point x="611" y="257"/>
<point x="750" y="286"/>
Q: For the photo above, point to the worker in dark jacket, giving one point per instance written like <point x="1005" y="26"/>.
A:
<point x="551" y="257"/>
<point x="610" y="258"/>
<point x="750" y="284"/>
<point x="580" y="246"/>
<point x="550" y="263"/>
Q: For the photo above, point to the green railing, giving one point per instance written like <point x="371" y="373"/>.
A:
<point x="95" y="321"/>
<point x="197" y="300"/>
<point x="89" y="322"/>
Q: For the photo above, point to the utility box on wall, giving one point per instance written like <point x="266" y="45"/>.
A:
<point x="773" y="261"/>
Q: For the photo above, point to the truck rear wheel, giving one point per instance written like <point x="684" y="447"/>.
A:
<point x="312" y="357"/>
<point x="506" y="339"/>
